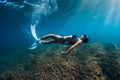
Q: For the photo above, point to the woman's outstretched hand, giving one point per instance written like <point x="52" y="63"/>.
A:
<point x="64" y="52"/>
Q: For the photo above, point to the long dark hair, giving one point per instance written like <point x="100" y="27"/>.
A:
<point x="84" y="38"/>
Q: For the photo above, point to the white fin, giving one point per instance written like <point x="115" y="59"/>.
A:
<point x="37" y="40"/>
<point x="33" y="31"/>
<point x="35" y="44"/>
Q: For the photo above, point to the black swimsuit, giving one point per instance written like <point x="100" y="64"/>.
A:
<point x="62" y="40"/>
<point x="73" y="40"/>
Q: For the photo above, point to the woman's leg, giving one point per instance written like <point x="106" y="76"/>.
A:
<point x="47" y="42"/>
<point x="52" y="36"/>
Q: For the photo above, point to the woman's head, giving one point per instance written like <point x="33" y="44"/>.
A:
<point x="84" y="38"/>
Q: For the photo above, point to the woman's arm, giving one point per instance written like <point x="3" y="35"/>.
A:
<point x="73" y="46"/>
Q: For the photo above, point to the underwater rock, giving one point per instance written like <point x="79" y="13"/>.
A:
<point x="87" y="62"/>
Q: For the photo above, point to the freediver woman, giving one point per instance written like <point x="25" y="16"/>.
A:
<point x="72" y="40"/>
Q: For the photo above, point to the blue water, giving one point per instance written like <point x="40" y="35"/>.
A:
<point x="99" y="19"/>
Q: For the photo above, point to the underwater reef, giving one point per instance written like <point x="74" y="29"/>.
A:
<point x="96" y="61"/>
